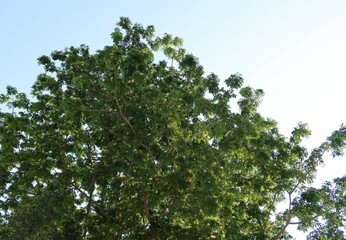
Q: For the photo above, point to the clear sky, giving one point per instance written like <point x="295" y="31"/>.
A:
<point x="294" y="50"/>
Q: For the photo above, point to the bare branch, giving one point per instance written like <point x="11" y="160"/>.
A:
<point x="282" y="230"/>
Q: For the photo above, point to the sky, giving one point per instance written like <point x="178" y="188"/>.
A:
<point x="294" y="50"/>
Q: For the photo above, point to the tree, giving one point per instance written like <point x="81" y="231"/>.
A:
<point x="118" y="145"/>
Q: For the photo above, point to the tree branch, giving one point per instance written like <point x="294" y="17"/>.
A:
<point x="122" y="115"/>
<point x="282" y="230"/>
<point x="74" y="184"/>
<point x="300" y="222"/>
<point x="90" y="199"/>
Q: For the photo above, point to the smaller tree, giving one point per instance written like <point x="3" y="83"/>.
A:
<point x="116" y="145"/>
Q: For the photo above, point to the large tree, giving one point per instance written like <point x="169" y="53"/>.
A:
<point x="118" y="144"/>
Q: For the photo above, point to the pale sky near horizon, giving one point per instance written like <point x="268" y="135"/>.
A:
<point x="294" y="50"/>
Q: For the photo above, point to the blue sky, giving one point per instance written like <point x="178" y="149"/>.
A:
<point x="294" y="50"/>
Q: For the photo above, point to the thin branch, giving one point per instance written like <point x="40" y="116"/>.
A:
<point x="122" y="115"/>
<point x="146" y="205"/>
<point x="74" y="184"/>
<point x="296" y="223"/>
<point x="118" y="105"/>
<point x="277" y="236"/>
<point x="300" y="222"/>
<point x="90" y="199"/>
<point x="95" y="110"/>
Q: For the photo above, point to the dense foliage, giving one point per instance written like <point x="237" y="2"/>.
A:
<point x="117" y="144"/>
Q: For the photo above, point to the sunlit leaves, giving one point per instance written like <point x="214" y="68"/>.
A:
<point x="121" y="144"/>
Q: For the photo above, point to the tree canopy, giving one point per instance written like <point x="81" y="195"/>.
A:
<point x="135" y="141"/>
